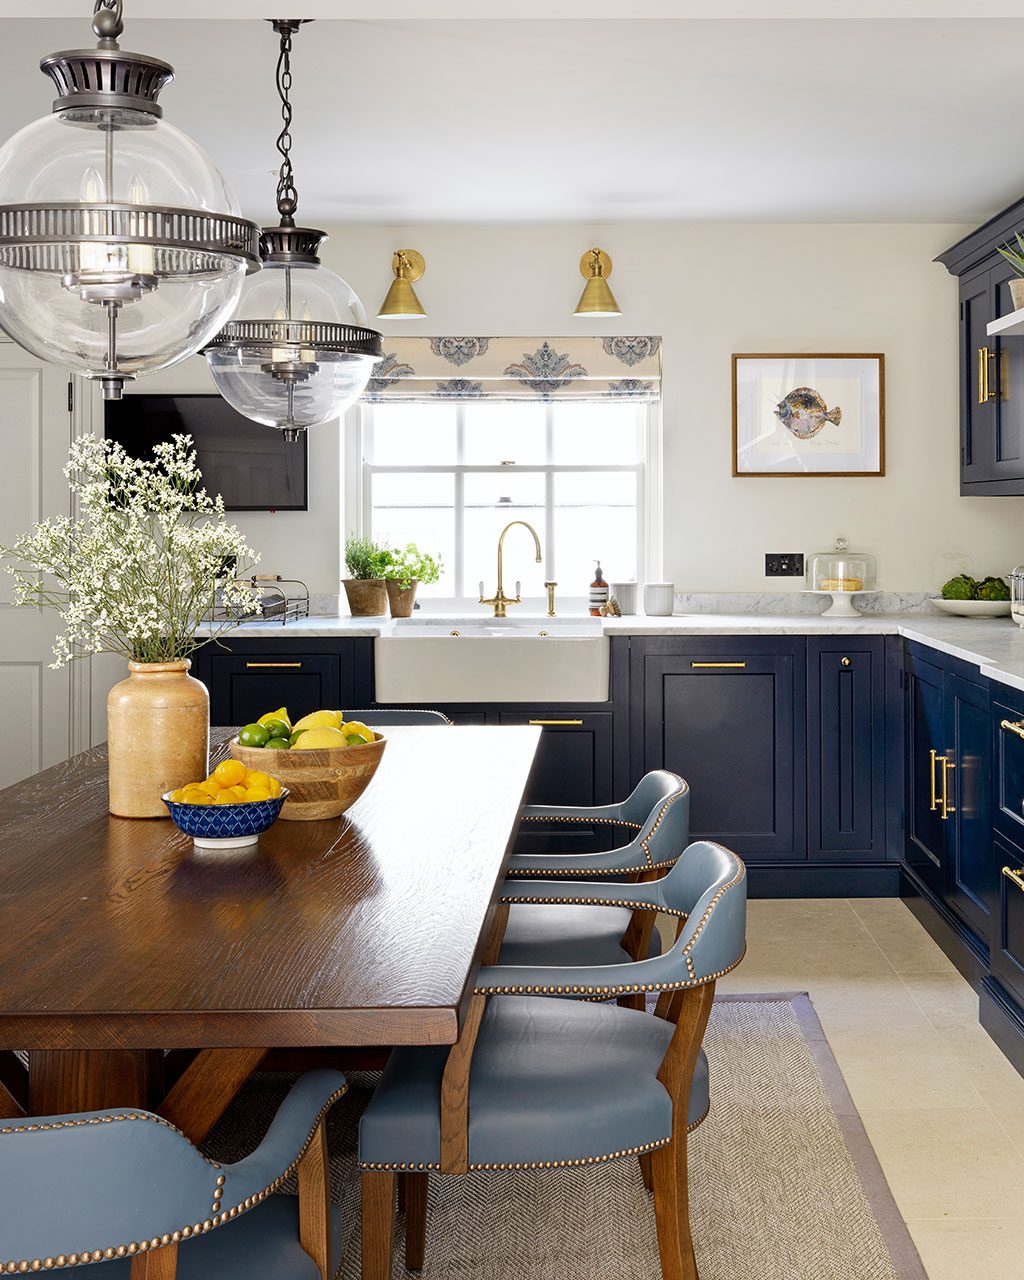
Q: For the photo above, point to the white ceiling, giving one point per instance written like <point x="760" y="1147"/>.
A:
<point x="800" y="119"/>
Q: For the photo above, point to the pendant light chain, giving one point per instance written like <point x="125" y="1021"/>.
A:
<point x="287" y="193"/>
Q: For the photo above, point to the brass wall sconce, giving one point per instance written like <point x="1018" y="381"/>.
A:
<point x="401" y="302"/>
<point x="597" y="298"/>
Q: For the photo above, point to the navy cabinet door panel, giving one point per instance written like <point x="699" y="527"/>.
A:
<point x="573" y="767"/>
<point x="242" y="688"/>
<point x="725" y="721"/>
<point x="1009" y="761"/>
<point x="969" y="788"/>
<point x="1007" y="952"/>
<point x="846" y="748"/>
<point x="925" y="742"/>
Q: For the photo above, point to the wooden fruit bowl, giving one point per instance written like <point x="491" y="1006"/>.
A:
<point x="322" y="783"/>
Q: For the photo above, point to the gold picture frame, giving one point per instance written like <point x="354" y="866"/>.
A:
<point x="800" y="414"/>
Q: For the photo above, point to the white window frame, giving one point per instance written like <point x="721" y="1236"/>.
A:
<point x="357" y="507"/>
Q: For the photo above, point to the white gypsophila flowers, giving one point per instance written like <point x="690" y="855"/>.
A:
<point x="136" y="572"/>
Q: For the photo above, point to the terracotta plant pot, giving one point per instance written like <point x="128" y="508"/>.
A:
<point x="321" y="783"/>
<point x="1017" y="293"/>
<point x="158" y="736"/>
<point x="401" y="599"/>
<point x="367" y="597"/>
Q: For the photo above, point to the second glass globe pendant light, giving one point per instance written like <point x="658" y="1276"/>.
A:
<point x="297" y="352"/>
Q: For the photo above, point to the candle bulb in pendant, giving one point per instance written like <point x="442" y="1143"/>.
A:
<point x="92" y="255"/>
<point x="280" y="355"/>
<point x="141" y="257"/>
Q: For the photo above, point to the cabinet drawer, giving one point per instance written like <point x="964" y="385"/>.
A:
<point x="573" y="767"/>
<point x="243" y="687"/>
<point x="1008" y="719"/>
<point x="1007" y="951"/>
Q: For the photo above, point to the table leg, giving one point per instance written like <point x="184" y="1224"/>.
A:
<point x="206" y="1088"/>
<point x="63" y="1081"/>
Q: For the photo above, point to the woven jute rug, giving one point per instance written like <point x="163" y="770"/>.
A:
<point x="784" y="1183"/>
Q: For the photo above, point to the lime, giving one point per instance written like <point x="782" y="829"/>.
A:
<point x="295" y="737"/>
<point x="278" y="744"/>
<point x="355" y="739"/>
<point x="253" y="735"/>
<point x="276" y="728"/>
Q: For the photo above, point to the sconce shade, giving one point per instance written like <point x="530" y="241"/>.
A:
<point x="401" y="302"/>
<point x="597" y="298"/>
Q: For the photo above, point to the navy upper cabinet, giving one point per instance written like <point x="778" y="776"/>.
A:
<point x="726" y="714"/>
<point x="991" y="369"/>
<point x="949" y="786"/>
<point x="846" y="748"/>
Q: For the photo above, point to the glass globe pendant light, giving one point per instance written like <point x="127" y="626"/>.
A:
<point x="297" y="352"/>
<point x="121" y="246"/>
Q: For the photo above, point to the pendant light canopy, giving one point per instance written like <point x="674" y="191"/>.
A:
<point x="121" y="245"/>
<point x="297" y="352"/>
<point x="597" y="298"/>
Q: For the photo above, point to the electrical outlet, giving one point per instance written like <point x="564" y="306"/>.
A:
<point x="784" y="564"/>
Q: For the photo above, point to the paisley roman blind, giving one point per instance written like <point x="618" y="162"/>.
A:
<point x="579" y="368"/>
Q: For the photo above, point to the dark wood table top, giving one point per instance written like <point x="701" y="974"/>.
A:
<point x="363" y="930"/>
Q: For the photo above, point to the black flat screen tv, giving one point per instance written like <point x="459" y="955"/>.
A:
<point x="253" y="467"/>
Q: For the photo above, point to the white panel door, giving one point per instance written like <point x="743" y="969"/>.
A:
<point x="35" y="434"/>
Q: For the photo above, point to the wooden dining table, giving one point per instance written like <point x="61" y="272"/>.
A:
<point x="139" y="971"/>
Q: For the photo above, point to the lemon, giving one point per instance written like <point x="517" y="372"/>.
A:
<point x="318" y="738"/>
<point x="319" y="720"/>
<point x="178" y="797"/>
<point x="256" y="778"/>
<point x="198" y="797"/>
<point x="253" y="794"/>
<point x="226" y="797"/>
<point x="280" y="714"/>
<point x="211" y="786"/>
<point x="229" y="773"/>
<point x="275" y="788"/>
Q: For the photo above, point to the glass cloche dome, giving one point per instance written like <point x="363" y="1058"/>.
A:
<point x="121" y="245"/>
<point x="297" y="351"/>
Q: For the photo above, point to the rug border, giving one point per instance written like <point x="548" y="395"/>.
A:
<point x="894" y="1231"/>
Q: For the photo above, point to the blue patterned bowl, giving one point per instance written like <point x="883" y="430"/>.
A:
<point x="225" y="826"/>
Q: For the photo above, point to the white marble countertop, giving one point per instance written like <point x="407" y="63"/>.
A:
<point x="996" y="645"/>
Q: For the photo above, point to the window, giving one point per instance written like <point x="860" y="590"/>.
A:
<point x="450" y="475"/>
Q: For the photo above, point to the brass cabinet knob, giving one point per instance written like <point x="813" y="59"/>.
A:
<point x="846" y="662"/>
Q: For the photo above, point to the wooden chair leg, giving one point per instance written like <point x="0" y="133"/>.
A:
<point x="415" y="1219"/>
<point x="672" y="1211"/>
<point x="378" y="1214"/>
<point x="156" y="1264"/>
<point x="403" y="1191"/>
<point x="645" y="1170"/>
<point x="315" y="1202"/>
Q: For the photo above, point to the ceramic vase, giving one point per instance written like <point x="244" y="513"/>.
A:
<point x="367" y="597"/>
<point x="1017" y="293"/>
<point x="401" y="599"/>
<point x="158" y="736"/>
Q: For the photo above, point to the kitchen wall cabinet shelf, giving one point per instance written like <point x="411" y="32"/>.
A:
<point x="1010" y="326"/>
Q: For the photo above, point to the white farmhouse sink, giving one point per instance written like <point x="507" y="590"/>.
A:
<point x="483" y="659"/>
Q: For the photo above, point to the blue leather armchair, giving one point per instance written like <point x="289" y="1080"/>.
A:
<point x="127" y="1190"/>
<point x="559" y="935"/>
<point x="537" y="1083"/>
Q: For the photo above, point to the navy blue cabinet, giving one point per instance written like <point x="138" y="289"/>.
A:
<point x="726" y="714"/>
<point x="846" y="748"/>
<point x="949" y="788"/>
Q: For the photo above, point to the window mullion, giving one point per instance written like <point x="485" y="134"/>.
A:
<point x="549" y="492"/>
<point x="460" y="502"/>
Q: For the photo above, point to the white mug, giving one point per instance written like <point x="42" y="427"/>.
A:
<point x="625" y="594"/>
<point x="659" y="599"/>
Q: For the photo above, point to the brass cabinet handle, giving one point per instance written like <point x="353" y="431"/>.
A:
<point x="1013" y="726"/>
<point x="737" y="666"/>
<point x="1016" y="876"/>
<point x="275" y="665"/>
<point x="985" y="392"/>
<point x="934" y="755"/>
<point x="947" y="808"/>
<point x="554" y="722"/>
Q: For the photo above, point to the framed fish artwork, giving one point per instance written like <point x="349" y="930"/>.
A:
<point x="808" y="415"/>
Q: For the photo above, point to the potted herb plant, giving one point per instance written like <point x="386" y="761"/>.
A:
<point x="366" y="561"/>
<point x="408" y="568"/>
<point x="136" y="573"/>
<point x="1015" y="257"/>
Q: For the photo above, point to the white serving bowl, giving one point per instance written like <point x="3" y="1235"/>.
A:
<point x="974" y="608"/>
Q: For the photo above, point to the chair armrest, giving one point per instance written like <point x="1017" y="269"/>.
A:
<point x="630" y="857"/>
<point x="577" y="813"/>
<point x="569" y="893"/>
<point x="285" y="1141"/>
<point x="604" y="981"/>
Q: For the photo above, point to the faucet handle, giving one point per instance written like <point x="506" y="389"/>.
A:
<point x="550" y="588"/>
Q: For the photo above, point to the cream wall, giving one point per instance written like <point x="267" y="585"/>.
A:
<point x="709" y="290"/>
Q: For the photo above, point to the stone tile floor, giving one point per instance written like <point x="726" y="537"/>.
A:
<point x="942" y="1106"/>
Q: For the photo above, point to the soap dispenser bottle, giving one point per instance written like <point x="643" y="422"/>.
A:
<point x="598" y="593"/>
